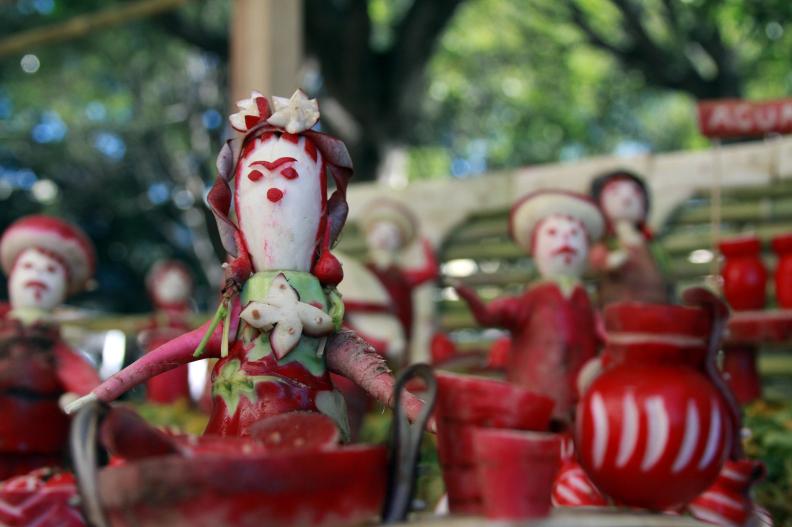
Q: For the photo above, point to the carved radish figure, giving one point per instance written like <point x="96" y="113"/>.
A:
<point x="277" y="331"/>
<point x="45" y="259"/>
<point x="552" y="323"/>
<point x="390" y="228"/>
<point x="169" y="286"/>
<point x="626" y="262"/>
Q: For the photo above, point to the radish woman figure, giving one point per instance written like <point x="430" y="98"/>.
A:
<point x="552" y="324"/>
<point x="45" y="259"/>
<point x="277" y="330"/>
<point x="627" y="265"/>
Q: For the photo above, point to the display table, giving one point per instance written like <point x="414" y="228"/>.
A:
<point x="570" y="518"/>
<point x="747" y="331"/>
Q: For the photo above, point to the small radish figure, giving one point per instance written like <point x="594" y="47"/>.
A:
<point x="45" y="259"/>
<point x="552" y="324"/>
<point x="169" y="286"/>
<point x="390" y="228"/>
<point x="277" y="331"/>
<point x="625" y="262"/>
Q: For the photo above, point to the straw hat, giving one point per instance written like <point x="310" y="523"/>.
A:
<point x="526" y="214"/>
<point x="63" y="240"/>
<point x="384" y="209"/>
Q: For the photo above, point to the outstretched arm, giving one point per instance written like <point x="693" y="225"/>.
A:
<point x="498" y="313"/>
<point x="351" y="356"/>
<point x="427" y="272"/>
<point x="74" y="372"/>
<point x="166" y="357"/>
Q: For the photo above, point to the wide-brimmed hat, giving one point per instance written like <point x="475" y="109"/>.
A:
<point x="526" y="214"/>
<point x="392" y="211"/>
<point x="63" y="240"/>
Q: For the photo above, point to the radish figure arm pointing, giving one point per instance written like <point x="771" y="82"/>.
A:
<point x="166" y="357"/>
<point x="352" y="357"/>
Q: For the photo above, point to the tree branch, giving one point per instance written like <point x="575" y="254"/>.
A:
<point x="81" y="25"/>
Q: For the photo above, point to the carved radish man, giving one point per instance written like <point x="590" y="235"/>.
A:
<point x="627" y="268"/>
<point x="169" y="285"/>
<point x="390" y="228"/>
<point x="276" y="332"/>
<point x="552" y="323"/>
<point x="45" y="259"/>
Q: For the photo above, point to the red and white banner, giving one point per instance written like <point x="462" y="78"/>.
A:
<point x="738" y="118"/>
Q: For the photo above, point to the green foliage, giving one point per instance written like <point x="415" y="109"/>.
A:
<point x="114" y="120"/>
<point x="517" y="83"/>
<point x="771" y="441"/>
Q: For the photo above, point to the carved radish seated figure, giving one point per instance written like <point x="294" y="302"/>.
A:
<point x="277" y="330"/>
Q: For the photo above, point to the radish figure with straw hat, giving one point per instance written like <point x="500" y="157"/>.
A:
<point x="277" y="330"/>
<point x="45" y="259"/>
<point x="552" y="324"/>
<point x="390" y="227"/>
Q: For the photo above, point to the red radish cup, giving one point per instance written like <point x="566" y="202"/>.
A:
<point x="516" y="471"/>
<point x="782" y="245"/>
<point x="744" y="274"/>
<point x="465" y="403"/>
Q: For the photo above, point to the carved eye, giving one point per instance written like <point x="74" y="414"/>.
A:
<point x="27" y="265"/>
<point x="552" y="231"/>
<point x="51" y="269"/>
<point x="255" y="175"/>
<point x="289" y="173"/>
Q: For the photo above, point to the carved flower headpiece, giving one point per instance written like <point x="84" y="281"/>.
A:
<point x="294" y="115"/>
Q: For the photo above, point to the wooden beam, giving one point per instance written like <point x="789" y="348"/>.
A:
<point x="266" y="47"/>
<point x="81" y="25"/>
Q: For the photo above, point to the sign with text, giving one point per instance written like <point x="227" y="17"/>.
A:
<point x="738" y="118"/>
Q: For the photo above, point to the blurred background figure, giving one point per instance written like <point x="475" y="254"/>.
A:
<point x="45" y="260"/>
<point x="170" y="287"/>
<point x="390" y="228"/>
<point x="625" y="262"/>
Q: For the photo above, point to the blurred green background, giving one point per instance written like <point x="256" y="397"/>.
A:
<point x="116" y="128"/>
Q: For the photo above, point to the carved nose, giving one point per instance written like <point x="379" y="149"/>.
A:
<point x="274" y="195"/>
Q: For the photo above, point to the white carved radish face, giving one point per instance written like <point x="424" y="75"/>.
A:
<point x="384" y="236"/>
<point x="560" y="247"/>
<point x="279" y="202"/>
<point x="37" y="281"/>
<point x="623" y="200"/>
<point x="171" y="287"/>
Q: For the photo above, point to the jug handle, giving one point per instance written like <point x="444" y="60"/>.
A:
<point x="406" y="444"/>
<point x="719" y="313"/>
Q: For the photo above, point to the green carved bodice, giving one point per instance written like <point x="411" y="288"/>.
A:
<point x="309" y="350"/>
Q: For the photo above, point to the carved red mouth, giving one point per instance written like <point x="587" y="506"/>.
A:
<point x="567" y="250"/>
<point x="37" y="284"/>
<point x="274" y="195"/>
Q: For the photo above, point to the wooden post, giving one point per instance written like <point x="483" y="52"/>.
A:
<point x="715" y="206"/>
<point x="266" y="47"/>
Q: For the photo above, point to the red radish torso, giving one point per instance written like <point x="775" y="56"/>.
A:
<point x="34" y="363"/>
<point x="553" y="336"/>
<point x="173" y="385"/>
<point x="653" y="430"/>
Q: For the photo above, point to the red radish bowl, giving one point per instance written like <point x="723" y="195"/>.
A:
<point x="345" y="486"/>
